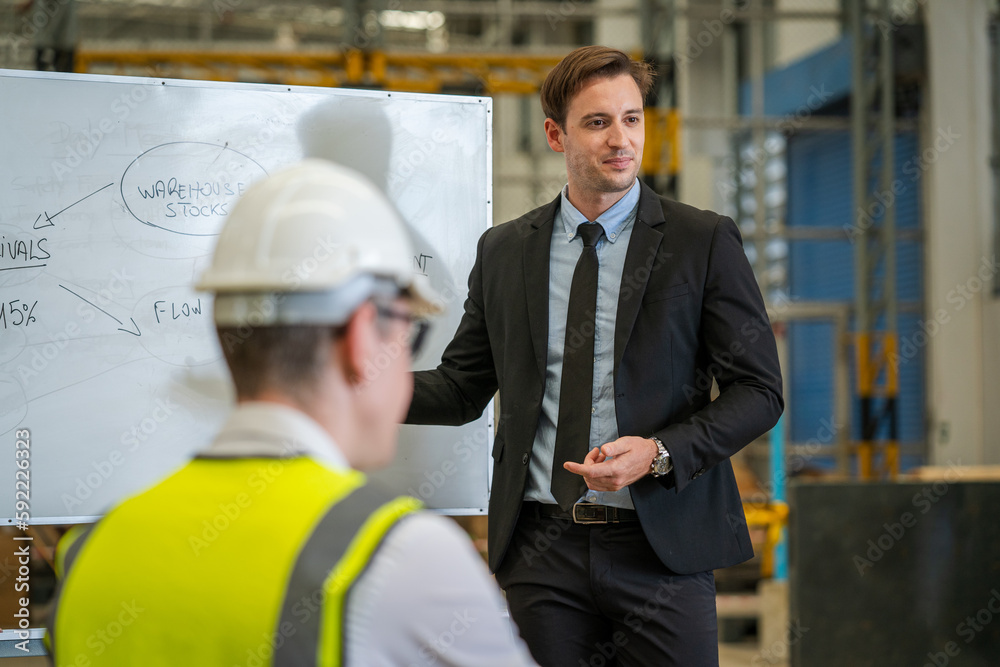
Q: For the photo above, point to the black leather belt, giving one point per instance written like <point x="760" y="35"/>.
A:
<point x="584" y="513"/>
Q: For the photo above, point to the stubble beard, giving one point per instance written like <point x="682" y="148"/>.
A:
<point x="613" y="183"/>
<point x="594" y="179"/>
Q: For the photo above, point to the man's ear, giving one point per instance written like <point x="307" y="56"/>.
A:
<point x="554" y="135"/>
<point x="358" y="343"/>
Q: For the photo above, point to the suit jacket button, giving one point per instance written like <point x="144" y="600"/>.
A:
<point x="698" y="474"/>
<point x="524" y="460"/>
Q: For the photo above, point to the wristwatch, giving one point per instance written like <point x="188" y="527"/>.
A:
<point x="661" y="463"/>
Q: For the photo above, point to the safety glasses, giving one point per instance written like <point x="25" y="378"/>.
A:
<point x="417" y="327"/>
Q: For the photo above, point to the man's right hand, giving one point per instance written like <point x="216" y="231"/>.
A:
<point x="615" y="465"/>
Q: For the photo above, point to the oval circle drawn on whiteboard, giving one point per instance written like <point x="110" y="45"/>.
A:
<point x="187" y="187"/>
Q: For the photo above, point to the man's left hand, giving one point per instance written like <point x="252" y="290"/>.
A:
<point x="615" y="465"/>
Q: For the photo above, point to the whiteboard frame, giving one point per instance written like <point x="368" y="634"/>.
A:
<point x="282" y="88"/>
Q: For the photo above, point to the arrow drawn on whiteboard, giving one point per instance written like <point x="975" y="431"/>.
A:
<point x="128" y="331"/>
<point x="48" y="218"/>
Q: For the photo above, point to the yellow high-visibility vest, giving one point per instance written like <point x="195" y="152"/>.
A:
<point x="227" y="562"/>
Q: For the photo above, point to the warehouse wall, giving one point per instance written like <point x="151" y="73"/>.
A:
<point x="798" y="38"/>
<point x="962" y="354"/>
<point x="706" y="88"/>
<point x="620" y="31"/>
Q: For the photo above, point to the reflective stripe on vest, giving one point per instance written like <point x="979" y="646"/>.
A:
<point x="337" y="552"/>
<point x="67" y="551"/>
<point x="233" y="562"/>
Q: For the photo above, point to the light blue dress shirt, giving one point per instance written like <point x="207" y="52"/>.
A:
<point x="566" y="249"/>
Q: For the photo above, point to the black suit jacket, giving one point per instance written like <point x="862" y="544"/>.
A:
<point x="689" y="311"/>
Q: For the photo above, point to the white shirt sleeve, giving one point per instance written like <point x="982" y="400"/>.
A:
<point x="428" y="599"/>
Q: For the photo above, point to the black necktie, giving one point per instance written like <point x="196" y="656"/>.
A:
<point x="576" y="386"/>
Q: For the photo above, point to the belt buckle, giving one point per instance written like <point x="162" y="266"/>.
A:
<point x="590" y="513"/>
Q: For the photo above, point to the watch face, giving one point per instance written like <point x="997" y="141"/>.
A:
<point x="661" y="465"/>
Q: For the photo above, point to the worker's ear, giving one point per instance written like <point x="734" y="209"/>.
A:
<point x="359" y="344"/>
<point x="554" y="135"/>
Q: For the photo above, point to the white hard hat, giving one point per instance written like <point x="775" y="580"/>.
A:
<point x="308" y="245"/>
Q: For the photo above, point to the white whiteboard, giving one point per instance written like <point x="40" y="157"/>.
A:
<point x="112" y="192"/>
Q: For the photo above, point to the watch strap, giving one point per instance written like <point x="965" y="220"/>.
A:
<point x="661" y="464"/>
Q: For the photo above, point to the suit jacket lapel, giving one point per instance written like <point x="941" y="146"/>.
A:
<point x="537" y="243"/>
<point x="639" y="260"/>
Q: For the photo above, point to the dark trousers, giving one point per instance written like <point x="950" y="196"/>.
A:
<point x="597" y="596"/>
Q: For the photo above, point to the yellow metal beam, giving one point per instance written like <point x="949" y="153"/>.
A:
<point x="414" y="72"/>
<point x="662" y="153"/>
<point x="431" y="72"/>
<point x="772" y="517"/>
<point x="419" y="72"/>
<point x="876" y="355"/>
<point x="314" y="69"/>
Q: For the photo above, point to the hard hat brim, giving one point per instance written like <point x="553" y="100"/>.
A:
<point x="424" y="300"/>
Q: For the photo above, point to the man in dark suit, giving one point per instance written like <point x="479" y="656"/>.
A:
<point x="613" y="495"/>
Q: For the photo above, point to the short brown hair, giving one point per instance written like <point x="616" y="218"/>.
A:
<point x="566" y="78"/>
<point x="287" y="358"/>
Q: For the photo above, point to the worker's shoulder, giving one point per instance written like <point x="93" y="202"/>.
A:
<point x="521" y="226"/>
<point x="417" y="526"/>
<point x="429" y="547"/>
<point x="691" y="219"/>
